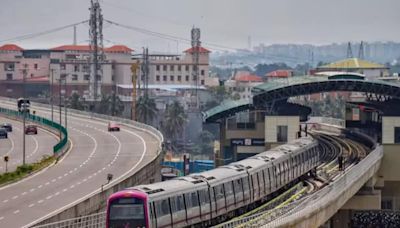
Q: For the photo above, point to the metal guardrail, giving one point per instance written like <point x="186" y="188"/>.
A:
<point x="97" y="220"/>
<point x="43" y="121"/>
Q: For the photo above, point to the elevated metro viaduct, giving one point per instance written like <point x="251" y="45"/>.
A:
<point x="248" y="127"/>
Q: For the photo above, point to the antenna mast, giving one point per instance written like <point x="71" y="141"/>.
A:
<point x="97" y="56"/>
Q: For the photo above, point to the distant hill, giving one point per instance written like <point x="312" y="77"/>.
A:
<point x="293" y="54"/>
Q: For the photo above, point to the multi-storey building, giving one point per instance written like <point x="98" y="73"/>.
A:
<point x="44" y="68"/>
<point x="178" y="69"/>
<point x="241" y="84"/>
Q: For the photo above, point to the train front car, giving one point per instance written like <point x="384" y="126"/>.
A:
<point x="127" y="209"/>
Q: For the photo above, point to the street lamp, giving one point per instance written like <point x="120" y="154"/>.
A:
<point x="24" y="109"/>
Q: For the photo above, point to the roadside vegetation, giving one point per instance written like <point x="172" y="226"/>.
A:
<point x="24" y="170"/>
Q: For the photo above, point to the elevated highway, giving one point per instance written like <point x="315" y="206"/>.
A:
<point x="37" y="146"/>
<point x="94" y="153"/>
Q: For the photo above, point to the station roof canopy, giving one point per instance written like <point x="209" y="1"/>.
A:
<point x="353" y="63"/>
<point x="282" y="89"/>
<point x="227" y="108"/>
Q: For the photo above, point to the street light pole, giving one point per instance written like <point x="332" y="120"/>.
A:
<point x="59" y="103"/>
<point x="65" y="101"/>
<point x="51" y="94"/>
<point x="24" y="72"/>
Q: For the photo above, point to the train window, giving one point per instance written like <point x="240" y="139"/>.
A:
<point x="228" y="188"/>
<point x="194" y="199"/>
<point x="180" y="205"/>
<point x="172" y="200"/>
<point x="238" y="185"/>
<point x="245" y="184"/>
<point x="162" y="208"/>
<point x="219" y="192"/>
<point x="204" y="197"/>
<point x="188" y="200"/>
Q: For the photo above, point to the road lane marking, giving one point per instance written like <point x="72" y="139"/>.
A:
<point x="31" y="205"/>
<point x="16" y="212"/>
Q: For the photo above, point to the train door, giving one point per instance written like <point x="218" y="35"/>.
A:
<point x="163" y="213"/>
<point x="192" y="208"/>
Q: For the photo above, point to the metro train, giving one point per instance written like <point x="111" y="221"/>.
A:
<point x="210" y="197"/>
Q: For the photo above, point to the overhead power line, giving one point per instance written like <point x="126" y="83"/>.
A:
<point x="32" y="35"/>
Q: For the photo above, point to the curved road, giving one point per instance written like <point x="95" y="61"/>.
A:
<point x="95" y="152"/>
<point x="36" y="145"/>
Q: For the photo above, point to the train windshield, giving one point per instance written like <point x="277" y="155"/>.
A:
<point x="127" y="213"/>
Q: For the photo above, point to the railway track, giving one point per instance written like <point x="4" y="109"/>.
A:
<point x="331" y="146"/>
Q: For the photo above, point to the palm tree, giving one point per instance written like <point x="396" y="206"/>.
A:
<point x="146" y="110"/>
<point x="174" y="120"/>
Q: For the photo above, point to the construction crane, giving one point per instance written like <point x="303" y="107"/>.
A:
<point x="134" y="67"/>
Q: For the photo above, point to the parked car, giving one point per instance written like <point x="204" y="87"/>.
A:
<point x="3" y="133"/>
<point x="31" y="129"/>
<point x="112" y="126"/>
<point x="7" y="126"/>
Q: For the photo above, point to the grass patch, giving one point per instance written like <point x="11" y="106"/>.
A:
<point x="25" y="170"/>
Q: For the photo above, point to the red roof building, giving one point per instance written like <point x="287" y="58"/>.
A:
<point x="201" y="50"/>
<point x="86" y="48"/>
<point x="280" y="74"/>
<point x="11" y="47"/>
<point x="248" y="78"/>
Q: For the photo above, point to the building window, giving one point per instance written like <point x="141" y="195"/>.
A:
<point x="171" y="78"/>
<point x="187" y="78"/>
<point x="187" y="67"/>
<point x="179" y="67"/>
<point x="158" y="78"/>
<point x="63" y="66"/>
<point x="9" y="77"/>
<point x="179" y="78"/>
<point x="112" y="78"/>
<point x="194" y="78"/>
<point x="98" y="77"/>
<point x="202" y="72"/>
<point x="282" y="133"/>
<point x="35" y="66"/>
<point x="165" y="78"/>
<point x="397" y="135"/>
<point x="85" y="68"/>
<point x="86" y="77"/>
<point x="164" y="67"/>
<point x="63" y="76"/>
<point x="171" y="68"/>
<point x="202" y="82"/>
<point x="9" y="67"/>
<point x="157" y="67"/>
<point x="74" y="77"/>
<point x="76" y="68"/>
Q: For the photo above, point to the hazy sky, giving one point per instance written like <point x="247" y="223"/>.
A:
<point x="222" y="22"/>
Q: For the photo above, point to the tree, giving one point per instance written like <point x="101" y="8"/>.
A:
<point x="205" y="144"/>
<point x="104" y="106"/>
<point x="76" y="102"/>
<point x="117" y="107"/>
<point x="263" y="69"/>
<point x="146" y="109"/>
<point x="174" y="120"/>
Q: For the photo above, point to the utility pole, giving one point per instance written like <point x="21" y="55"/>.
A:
<point x="134" y="68"/>
<point x="349" y="51"/>
<point x="195" y="34"/>
<point x="65" y="102"/>
<point x="24" y="72"/>
<point x="361" y="51"/>
<point x="51" y="94"/>
<point x="75" y="43"/>
<point x="145" y="76"/>
<point x="97" y="56"/>
<point x="59" y="104"/>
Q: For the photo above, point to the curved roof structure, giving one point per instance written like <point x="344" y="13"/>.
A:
<point x="353" y="63"/>
<point x="268" y="93"/>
